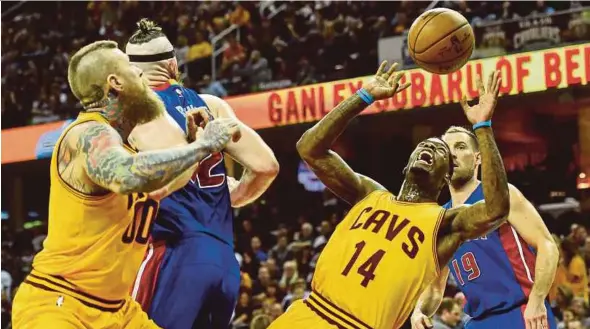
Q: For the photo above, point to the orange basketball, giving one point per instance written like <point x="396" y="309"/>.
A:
<point x="441" y="41"/>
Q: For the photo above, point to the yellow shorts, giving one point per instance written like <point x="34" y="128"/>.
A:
<point x="317" y="312"/>
<point x="300" y="316"/>
<point x="38" y="308"/>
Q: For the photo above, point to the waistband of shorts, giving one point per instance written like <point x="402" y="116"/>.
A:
<point x="332" y="313"/>
<point x="58" y="284"/>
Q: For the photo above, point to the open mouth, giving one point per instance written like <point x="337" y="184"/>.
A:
<point x="425" y="157"/>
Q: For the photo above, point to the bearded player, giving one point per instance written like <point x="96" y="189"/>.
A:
<point x="99" y="212"/>
<point x="504" y="282"/>
<point x="389" y="248"/>
<point x="191" y="277"/>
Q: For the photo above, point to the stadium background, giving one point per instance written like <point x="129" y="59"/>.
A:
<point x="281" y="65"/>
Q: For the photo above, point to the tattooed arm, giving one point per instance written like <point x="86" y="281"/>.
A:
<point x="314" y="145"/>
<point x="469" y="222"/>
<point x="429" y="301"/>
<point x="331" y="169"/>
<point x="110" y="166"/>
<point x="482" y="217"/>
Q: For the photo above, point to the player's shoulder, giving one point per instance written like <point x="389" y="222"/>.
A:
<point x="82" y="134"/>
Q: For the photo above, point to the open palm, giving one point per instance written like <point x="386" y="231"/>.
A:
<point x="385" y="83"/>
<point x="488" y="97"/>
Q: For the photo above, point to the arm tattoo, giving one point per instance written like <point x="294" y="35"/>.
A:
<point x="463" y="223"/>
<point x="110" y="166"/>
<point x="331" y="169"/>
<point x="493" y="173"/>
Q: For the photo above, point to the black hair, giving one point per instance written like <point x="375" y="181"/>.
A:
<point x="147" y="31"/>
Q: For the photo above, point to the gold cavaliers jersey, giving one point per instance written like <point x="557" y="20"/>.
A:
<point x="377" y="262"/>
<point x="95" y="244"/>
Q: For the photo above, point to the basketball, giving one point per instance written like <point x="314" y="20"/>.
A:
<point x="441" y="41"/>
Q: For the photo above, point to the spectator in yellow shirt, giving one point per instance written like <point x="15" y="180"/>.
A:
<point x="572" y="271"/>
<point x="240" y="16"/>
<point x="201" y="49"/>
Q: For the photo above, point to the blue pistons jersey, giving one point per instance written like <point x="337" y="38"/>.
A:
<point x="496" y="271"/>
<point x="203" y="205"/>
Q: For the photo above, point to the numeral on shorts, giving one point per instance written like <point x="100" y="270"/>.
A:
<point x="139" y="229"/>
<point x="469" y="265"/>
<point x="203" y="175"/>
<point x="366" y="269"/>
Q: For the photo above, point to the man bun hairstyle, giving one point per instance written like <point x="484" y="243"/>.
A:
<point x="149" y="44"/>
<point x="147" y="30"/>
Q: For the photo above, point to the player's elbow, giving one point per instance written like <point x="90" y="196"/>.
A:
<point x="498" y="211"/>
<point x="304" y="146"/>
<point x="268" y="168"/>
<point x="548" y="247"/>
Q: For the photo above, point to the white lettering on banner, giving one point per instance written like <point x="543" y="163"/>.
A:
<point x="543" y="33"/>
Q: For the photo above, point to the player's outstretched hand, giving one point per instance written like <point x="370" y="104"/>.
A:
<point x="420" y="321"/>
<point x="219" y="132"/>
<point x="196" y="120"/>
<point x="385" y="83"/>
<point x="488" y="97"/>
<point x="535" y="315"/>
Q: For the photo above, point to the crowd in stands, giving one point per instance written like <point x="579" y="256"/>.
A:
<point x="276" y="44"/>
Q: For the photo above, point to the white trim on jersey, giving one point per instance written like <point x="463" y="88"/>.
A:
<point x="140" y="272"/>
<point x="519" y="245"/>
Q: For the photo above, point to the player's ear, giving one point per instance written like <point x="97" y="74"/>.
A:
<point x="114" y="83"/>
<point x="173" y="69"/>
<point x="478" y="158"/>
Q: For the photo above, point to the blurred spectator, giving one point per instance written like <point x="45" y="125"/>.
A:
<point x="290" y="274"/>
<point x="240" y="16"/>
<point x="256" y="247"/>
<point x="234" y="54"/>
<point x="297" y="291"/>
<point x="260" y="285"/>
<point x="213" y="87"/>
<point x="325" y="233"/>
<point x="281" y="252"/>
<point x="243" y="312"/>
<point x="6" y="285"/>
<point x="261" y="321"/>
<point x="256" y="69"/>
<point x="200" y="49"/>
<point x="572" y="271"/>
<point x="448" y="315"/>
<point x="303" y="238"/>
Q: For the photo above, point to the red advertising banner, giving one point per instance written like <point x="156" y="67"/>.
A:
<point x="522" y="73"/>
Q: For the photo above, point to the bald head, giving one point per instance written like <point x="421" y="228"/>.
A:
<point x="89" y="69"/>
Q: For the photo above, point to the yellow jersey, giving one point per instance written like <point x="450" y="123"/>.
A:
<point x="95" y="244"/>
<point x="377" y="262"/>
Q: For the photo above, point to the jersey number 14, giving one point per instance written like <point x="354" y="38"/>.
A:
<point x="366" y="269"/>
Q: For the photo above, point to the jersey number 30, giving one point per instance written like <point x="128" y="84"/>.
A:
<point x="366" y="269"/>
<point x="469" y="265"/>
<point x="140" y="227"/>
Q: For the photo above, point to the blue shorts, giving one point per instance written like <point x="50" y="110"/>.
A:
<point x="512" y="319"/>
<point x="190" y="283"/>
